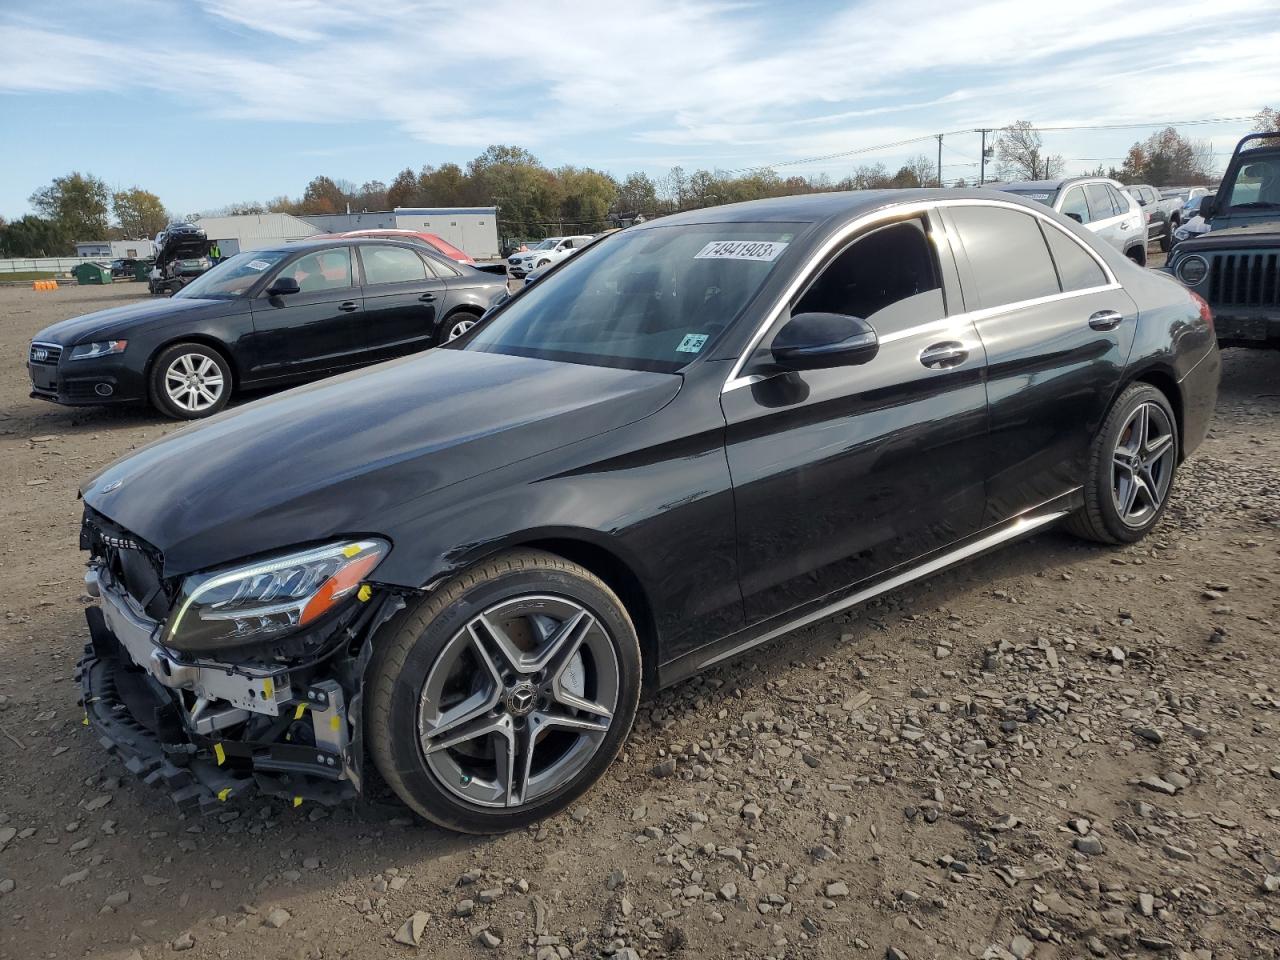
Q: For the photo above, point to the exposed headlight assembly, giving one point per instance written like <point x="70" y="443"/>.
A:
<point x="261" y="601"/>
<point x="1192" y="270"/>
<point x="102" y="348"/>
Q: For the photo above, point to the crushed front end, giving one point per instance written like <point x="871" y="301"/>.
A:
<point x="246" y="679"/>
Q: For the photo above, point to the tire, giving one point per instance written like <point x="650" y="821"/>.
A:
<point x="445" y="762"/>
<point x="190" y="381"/>
<point x="456" y="324"/>
<point x="1166" y="241"/>
<point x="1125" y="469"/>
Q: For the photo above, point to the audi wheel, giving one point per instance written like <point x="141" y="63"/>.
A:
<point x="504" y="695"/>
<point x="190" y="381"/>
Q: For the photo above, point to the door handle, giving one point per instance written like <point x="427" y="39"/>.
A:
<point x="427" y="297"/>
<point x="1105" y="320"/>
<point x="348" y="306"/>
<point x="945" y="355"/>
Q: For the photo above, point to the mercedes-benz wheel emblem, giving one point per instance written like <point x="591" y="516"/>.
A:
<point x="521" y="699"/>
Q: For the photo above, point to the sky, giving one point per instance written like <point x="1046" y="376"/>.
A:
<point x="208" y="102"/>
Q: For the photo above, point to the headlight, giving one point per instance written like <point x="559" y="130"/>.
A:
<point x="1192" y="270"/>
<point x="103" y="348"/>
<point x="260" y="601"/>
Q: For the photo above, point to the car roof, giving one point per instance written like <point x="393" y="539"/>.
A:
<point x="332" y="241"/>
<point x="820" y="207"/>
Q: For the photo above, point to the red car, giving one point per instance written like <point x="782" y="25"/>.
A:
<point x="439" y="244"/>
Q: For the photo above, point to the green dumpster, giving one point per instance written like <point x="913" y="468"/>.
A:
<point x="142" y="270"/>
<point x="86" y="273"/>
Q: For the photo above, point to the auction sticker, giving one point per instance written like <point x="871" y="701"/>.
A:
<point x="764" y="250"/>
<point x="258" y="264"/>
<point x="692" y="343"/>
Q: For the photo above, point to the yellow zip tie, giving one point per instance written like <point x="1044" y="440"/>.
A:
<point x="220" y="754"/>
<point x="299" y="711"/>
<point x="85" y="721"/>
<point x="224" y="793"/>
<point x="297" y="801"/>
<point x="350" y="551"/>
<point x="364" y="593"/>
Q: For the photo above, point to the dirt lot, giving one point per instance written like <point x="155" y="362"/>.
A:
<point x="1056" y="751"/>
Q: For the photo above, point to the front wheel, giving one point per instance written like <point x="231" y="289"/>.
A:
<point x="505" y="694"/>
<point x="1132" y="462"/>
<point x="190" y="381"/>
<point x="459" y="324"/>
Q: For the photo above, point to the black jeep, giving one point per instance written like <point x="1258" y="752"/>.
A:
<point x="1236" y="265"/>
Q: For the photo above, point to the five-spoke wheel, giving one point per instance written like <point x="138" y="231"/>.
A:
<point x="1131" y="467"/>
<point x="504" y="694"/>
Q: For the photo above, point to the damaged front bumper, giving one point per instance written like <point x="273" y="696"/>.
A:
<point x="208" y="731"/>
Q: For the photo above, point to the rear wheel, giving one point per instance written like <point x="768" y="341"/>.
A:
<point x="190" y="381"/>
<point x="1131" y="467"/>
<point x="505" y="694"/>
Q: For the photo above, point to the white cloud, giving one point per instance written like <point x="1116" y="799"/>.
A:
<point x="704" y="77"/>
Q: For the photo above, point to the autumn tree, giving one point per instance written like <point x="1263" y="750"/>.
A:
<point x="1168" y="158"/>
<point x="323" y="195"/>
<point x="1020" y="155"/>
<point x="637" y="194"/>
<point x="77" y="203"/>
<point x="139" y="213"/>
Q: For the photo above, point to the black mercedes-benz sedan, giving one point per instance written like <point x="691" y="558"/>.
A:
<point x="699" y="434"/>
<point x="259" y="319"/>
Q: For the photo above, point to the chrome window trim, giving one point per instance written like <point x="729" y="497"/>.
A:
<point x="735" y="378"/>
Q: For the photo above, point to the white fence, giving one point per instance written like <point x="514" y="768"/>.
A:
<point x="45" y="264"/>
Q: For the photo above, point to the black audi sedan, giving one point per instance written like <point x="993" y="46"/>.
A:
<point x="698" y="435"/>
<point x="259" y="319"/>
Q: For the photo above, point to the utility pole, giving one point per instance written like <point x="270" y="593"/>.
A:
<point x="939" y="136"/>
<point x="982" y="175"/>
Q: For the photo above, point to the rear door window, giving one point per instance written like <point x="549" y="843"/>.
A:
<point x="1007" y="255"/>
<point x="391" y="265"/>
<point x="1077" y="270"/>
<point x="1118" y="200"/>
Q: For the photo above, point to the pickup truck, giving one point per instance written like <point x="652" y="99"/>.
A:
<point x="1235" y="266"/>
<point x="1163" y="214"/>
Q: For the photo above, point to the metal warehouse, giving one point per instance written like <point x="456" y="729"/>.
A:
<point x="255" y="231"/>
<point x="473" y="229"/>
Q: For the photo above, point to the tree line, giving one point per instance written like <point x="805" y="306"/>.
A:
<point x="536" y="201"/>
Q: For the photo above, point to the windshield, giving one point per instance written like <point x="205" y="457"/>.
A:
<point x="232" y="277"/>
<point x="1257" y="184"/>
<point x="545" y="245"/>
<point x="1044" y="196"/>
<point x="651" y="299"/>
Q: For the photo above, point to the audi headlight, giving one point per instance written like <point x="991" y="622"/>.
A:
<point x="261" y="601"/>
<point x="1192" y="270"/>
<point x="102" y="348"/>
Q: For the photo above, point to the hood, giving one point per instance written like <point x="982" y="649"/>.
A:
<point x="346" y="455"/>
<point x="120" y="319"/>
<point x="1265" y="233"/>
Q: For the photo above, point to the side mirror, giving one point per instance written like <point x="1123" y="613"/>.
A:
<point x="282" y="286"/>
<point x="1208" y="206"/>
<point x="818" y="341"/>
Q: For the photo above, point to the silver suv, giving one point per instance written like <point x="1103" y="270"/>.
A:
<point x="1100" y="204"/>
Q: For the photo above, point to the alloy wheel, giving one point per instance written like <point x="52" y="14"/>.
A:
<point x="1142" y="464"/>
<point x="459" y="328"/>
<point x="193" y="382"/>
<point x="519" y="701"/>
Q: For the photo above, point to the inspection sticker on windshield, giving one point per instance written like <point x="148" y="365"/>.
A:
<point x="258" y="264"/>
<point x="765" y="250"/>
<point x="692" y="343"/>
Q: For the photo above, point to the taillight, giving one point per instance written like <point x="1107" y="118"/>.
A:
<point x="1206" y="313"/>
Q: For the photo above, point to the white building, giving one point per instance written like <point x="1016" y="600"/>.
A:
<point x="473" y="230"/>
<point x="117" y="249"/>
<point x="254" y="231"/>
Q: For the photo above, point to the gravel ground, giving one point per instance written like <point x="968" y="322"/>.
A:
<point x="1056" y="751"/>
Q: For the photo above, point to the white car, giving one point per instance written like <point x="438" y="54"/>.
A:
<point x="1100" y="205"/>
<point x="550" y="250"/>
